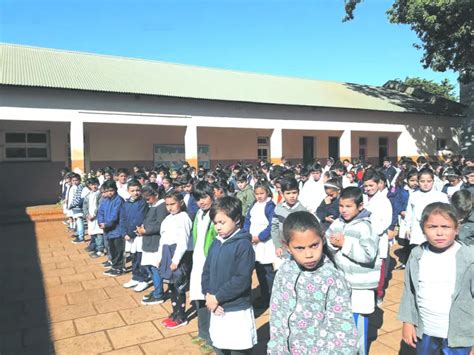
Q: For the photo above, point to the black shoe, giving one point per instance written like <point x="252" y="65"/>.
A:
<point x="400" y="267"/>
<point x="152" y="300"/>
<point x="77" y="241"/>
<point x="113" y="272"/>
<point x="107" y="264"/>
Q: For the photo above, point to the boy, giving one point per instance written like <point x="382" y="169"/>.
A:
<point x="245" y="195"/>
<point x="108" y="218"/>
<point x="355" y="246"/>
<point x="437" y="302"/>
<point x="312" y="193"/>
<point x="132" y="214"/>
<point x="203" y="234"/>
<point x="91" y="206"/>
<point x="290" y="191"/>
<point x="121" y="177"/>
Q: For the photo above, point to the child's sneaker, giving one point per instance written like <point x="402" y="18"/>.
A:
<point x="167" y="321"/>
<point x="152" y="300"/>
<point x="131" y="283"/>
<point x="207" y="349"/>
<point x="141" y="286"/>
<point x="77" y="241"/>
<point x="176" y="323"/>
<point x="107" y="264"/>
<point x="113" y="272"/>
<point x="197" y="340"/>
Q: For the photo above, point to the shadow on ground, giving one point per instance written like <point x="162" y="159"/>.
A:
<point x="24" y="319"/>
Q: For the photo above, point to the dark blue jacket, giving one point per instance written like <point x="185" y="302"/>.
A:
<point x="266" y="233"/>
<point x="398" y="197"/>
<point x="109" y="214"/>
<point x="327" y="209"/>
<point x="192" y="207"/>
<point x="132" y="214"/>
<point x="228" y="271"/>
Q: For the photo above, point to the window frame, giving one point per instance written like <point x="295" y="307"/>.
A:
<point x="26" y="145"/>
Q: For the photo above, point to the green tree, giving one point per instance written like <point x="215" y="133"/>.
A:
<point x="444" y="27"/>
<point x="444" y="89"/>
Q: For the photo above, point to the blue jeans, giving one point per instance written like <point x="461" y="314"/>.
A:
<point x="362" y="323"/>
<point x="80" y="228"/>
<point x="139" y="272"/>
<point x="157" y="282"/>
<point x="429" y="345"/>
<point x="97" y="242"/>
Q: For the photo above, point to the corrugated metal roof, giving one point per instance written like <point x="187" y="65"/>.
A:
<point x="44" y="67"/>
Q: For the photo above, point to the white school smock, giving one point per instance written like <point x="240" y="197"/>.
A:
<point x="264" y="251"/>
<point x="416" y="204"/>
<point x="195" y="288"/>
<point x="93" y="226"/>
<point x="380" y="210"/>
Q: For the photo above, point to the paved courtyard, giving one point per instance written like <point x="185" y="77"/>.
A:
<point x="55" y="299"/>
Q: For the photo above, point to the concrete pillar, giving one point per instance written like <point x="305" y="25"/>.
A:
<point x="77" y="145"/>
<point x="345" y="145"/>
<point x="191" y="146"/>
<point x="276" y="146"/>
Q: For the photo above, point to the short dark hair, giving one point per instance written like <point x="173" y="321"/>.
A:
<point x="300" y="221"/>
<point x="109" y="184"/>
<point x="289" y="185"/>
<point x="93" y="181"/>
<point x="353" y="193"/>
<point x="263" y="185"/>
<point x="462" y="201"/>
<point x="133" y="182"/>
<point x="371" y="174"/>
<point x="202" y="189"/>
<point x="231" y="206"/>
<point x="315" y="167"/>
<point x="426" y="171"/>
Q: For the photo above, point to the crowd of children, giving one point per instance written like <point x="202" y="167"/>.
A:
<point x="318" y="238"/>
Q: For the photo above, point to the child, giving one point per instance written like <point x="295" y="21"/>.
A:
<point x="454" y="177"/>
<point x="313" y="193"/>
<point x="150" y="233"/>
<point x="76" y="199"/>
<point x="227" y="279"/>
<point x="132" y="214"/>
<point x="91" y="206"/>
<point x="258" y="223"/>
<point x="204" y="234"/>
<point x="437" y="302"/>
<point x="462" y="201"/>
<point x="328" y="210"/>
<point x="289" y="188"/>
<point x="311" y="301"/>
<point x="174" y="257"/>
<point x="380" y="208"/>
<point x="245" y="195"/>
<point x="417" y="202"/>
<point x="108" y="218"/>
<point x="121" y="176"/>
<point x="355" y="246"/>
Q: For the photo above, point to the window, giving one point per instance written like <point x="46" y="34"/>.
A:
<point x="263" y="148"/>
<point x="26" y="146"/>
<point x="440" y="143"/>
<point x="383" y="149"/>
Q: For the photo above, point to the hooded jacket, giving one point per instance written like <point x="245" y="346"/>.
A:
<point x="310" y="311"/>
<point x="228" y="271"/>
<point x="358" y="257"/>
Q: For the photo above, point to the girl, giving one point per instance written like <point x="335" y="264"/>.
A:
<point x="174" y="257"/>
<point x="437" y="302"/>
<point x="258" y="223"/>
<point x="150" y="231"/>
<point x="418" y="201"/>
<point x="227" y="279"/>
<point x="328" y="210"/>
<point x="311" y="303"/>
<point x="462" y="201"/>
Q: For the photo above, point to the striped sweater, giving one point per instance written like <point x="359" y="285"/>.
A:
<point x="358" y="256"/>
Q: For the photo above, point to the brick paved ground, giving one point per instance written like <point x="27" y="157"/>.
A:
<point x="55" y="299"/>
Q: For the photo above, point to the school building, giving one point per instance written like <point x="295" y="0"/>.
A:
<point x="86" y="111"/>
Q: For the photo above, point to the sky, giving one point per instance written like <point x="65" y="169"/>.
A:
<point x="298" y="38"/>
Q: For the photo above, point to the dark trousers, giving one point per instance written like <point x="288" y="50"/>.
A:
<point x="117" y="250"/>
<point x="232" y="352"/>
<point x="178" y="301"/>
<point x="204" y="319"/>
<point x="265" y="276"/>
<point x="429" y="345"/>
<point x="139" y="272"/>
